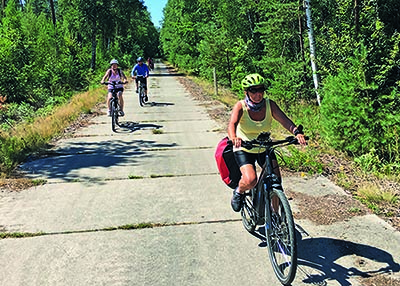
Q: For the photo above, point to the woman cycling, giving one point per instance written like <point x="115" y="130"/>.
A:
<point x="249" y="118"/>
<point x="115" y="74"/>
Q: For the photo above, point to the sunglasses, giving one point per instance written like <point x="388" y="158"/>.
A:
<point x="256" y="89"/>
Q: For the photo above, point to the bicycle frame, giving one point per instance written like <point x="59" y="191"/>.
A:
<point x="260" y="193"/>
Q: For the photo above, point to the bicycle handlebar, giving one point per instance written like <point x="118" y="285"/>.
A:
<point x="114" y="83"/>
<point x="290" y="140"/>
<point x="264" y="140"/>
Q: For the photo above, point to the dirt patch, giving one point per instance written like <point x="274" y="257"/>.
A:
<point x="327" y="209"/>
<point x="17" y="184"/>
<point x="380" y="280"/>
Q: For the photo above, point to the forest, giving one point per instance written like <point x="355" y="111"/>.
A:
<point x="50" y="49"/>
<point x="335" y="61"/>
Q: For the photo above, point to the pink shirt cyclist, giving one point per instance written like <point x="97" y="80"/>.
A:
<point x="115" y="74"/>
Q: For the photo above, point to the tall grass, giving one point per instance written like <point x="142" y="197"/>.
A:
<point x="29" y="137"/>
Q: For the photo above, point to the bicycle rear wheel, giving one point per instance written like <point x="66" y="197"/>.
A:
<point x="248" y="212"/>
<point x="281" y="238"/>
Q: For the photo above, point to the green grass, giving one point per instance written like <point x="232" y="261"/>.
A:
<point x="39" y="182"/>
<point x="134" y="177"/>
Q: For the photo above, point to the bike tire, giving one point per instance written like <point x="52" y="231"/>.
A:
<point x="248" y="213"/>
<point x="141" y="96"/>
<point x="114" y="116"/>
<point x="281" y="239"/>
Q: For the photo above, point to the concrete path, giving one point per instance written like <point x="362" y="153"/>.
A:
<point x="145" y="206"/>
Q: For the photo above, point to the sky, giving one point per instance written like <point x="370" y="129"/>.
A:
<point x="155" y="7"/>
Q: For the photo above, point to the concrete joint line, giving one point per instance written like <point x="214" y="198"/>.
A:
<point x="8" y="235"/>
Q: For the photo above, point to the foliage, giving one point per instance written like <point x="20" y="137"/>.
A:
<point x="42" y="63"/>
<point x="302" y="160"/>
<point x="355" y="118"/>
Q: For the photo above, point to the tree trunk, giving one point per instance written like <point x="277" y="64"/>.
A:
<point x="357" y="16"/>
<point x="229" y="68"/>
<point x="53" y="12"/>
<point x="301" y="43"/>
<point x="312" y="47"/>
<point x="94" y="46"/>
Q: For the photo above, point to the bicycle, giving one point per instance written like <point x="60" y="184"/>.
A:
<point x="115" y="108"/>
<point x="141" y="90"/>
<point x="278" y="223"/>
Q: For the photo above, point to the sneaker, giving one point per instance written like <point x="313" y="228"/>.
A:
<point x="146" y="98"/>
<point x="121" y="113"/>
<point x="108" y="112"/>
<point x="137" y="91"/>
<point x="237" y="201"/>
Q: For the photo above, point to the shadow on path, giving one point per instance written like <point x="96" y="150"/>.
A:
<point x="159" y="103"/>
<point x="320" y="258"/>
<point x="65" y="162"/>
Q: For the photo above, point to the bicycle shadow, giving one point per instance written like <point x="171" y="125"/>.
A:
<point x="340" y="260"/>
<point x="323" y="259"/>
<point x="130" y="126"/>
<point x="153" y="103"/>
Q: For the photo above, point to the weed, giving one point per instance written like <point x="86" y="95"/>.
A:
<point x="161" y="176"/>
<point x="133" y="177"/>
<point x="157" y="131"/>
<point x="39" y="182"/>
<point x="355" y="210"/>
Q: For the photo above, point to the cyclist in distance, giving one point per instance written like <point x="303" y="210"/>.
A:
<point x="141" y="72"/>
<point x="150" y="63"/>
<point x="114" y="73"/>
<point x="249" y="117"/>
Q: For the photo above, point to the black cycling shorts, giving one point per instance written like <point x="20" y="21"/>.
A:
<point x="143" y="80"/>
<point x="243" y="158"/>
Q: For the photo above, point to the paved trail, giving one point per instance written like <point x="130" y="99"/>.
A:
<point x="101" y="182"/>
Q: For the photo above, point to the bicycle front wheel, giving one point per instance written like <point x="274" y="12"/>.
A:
<point x="114" y="116"/>
<point x="281" y="237"/>
<point x="141" y="96"/>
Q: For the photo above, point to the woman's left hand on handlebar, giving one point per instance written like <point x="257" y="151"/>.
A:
<point x="300" y="138"/>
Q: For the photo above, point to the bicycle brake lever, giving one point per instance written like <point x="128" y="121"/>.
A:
<point x="247" y="144"/>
